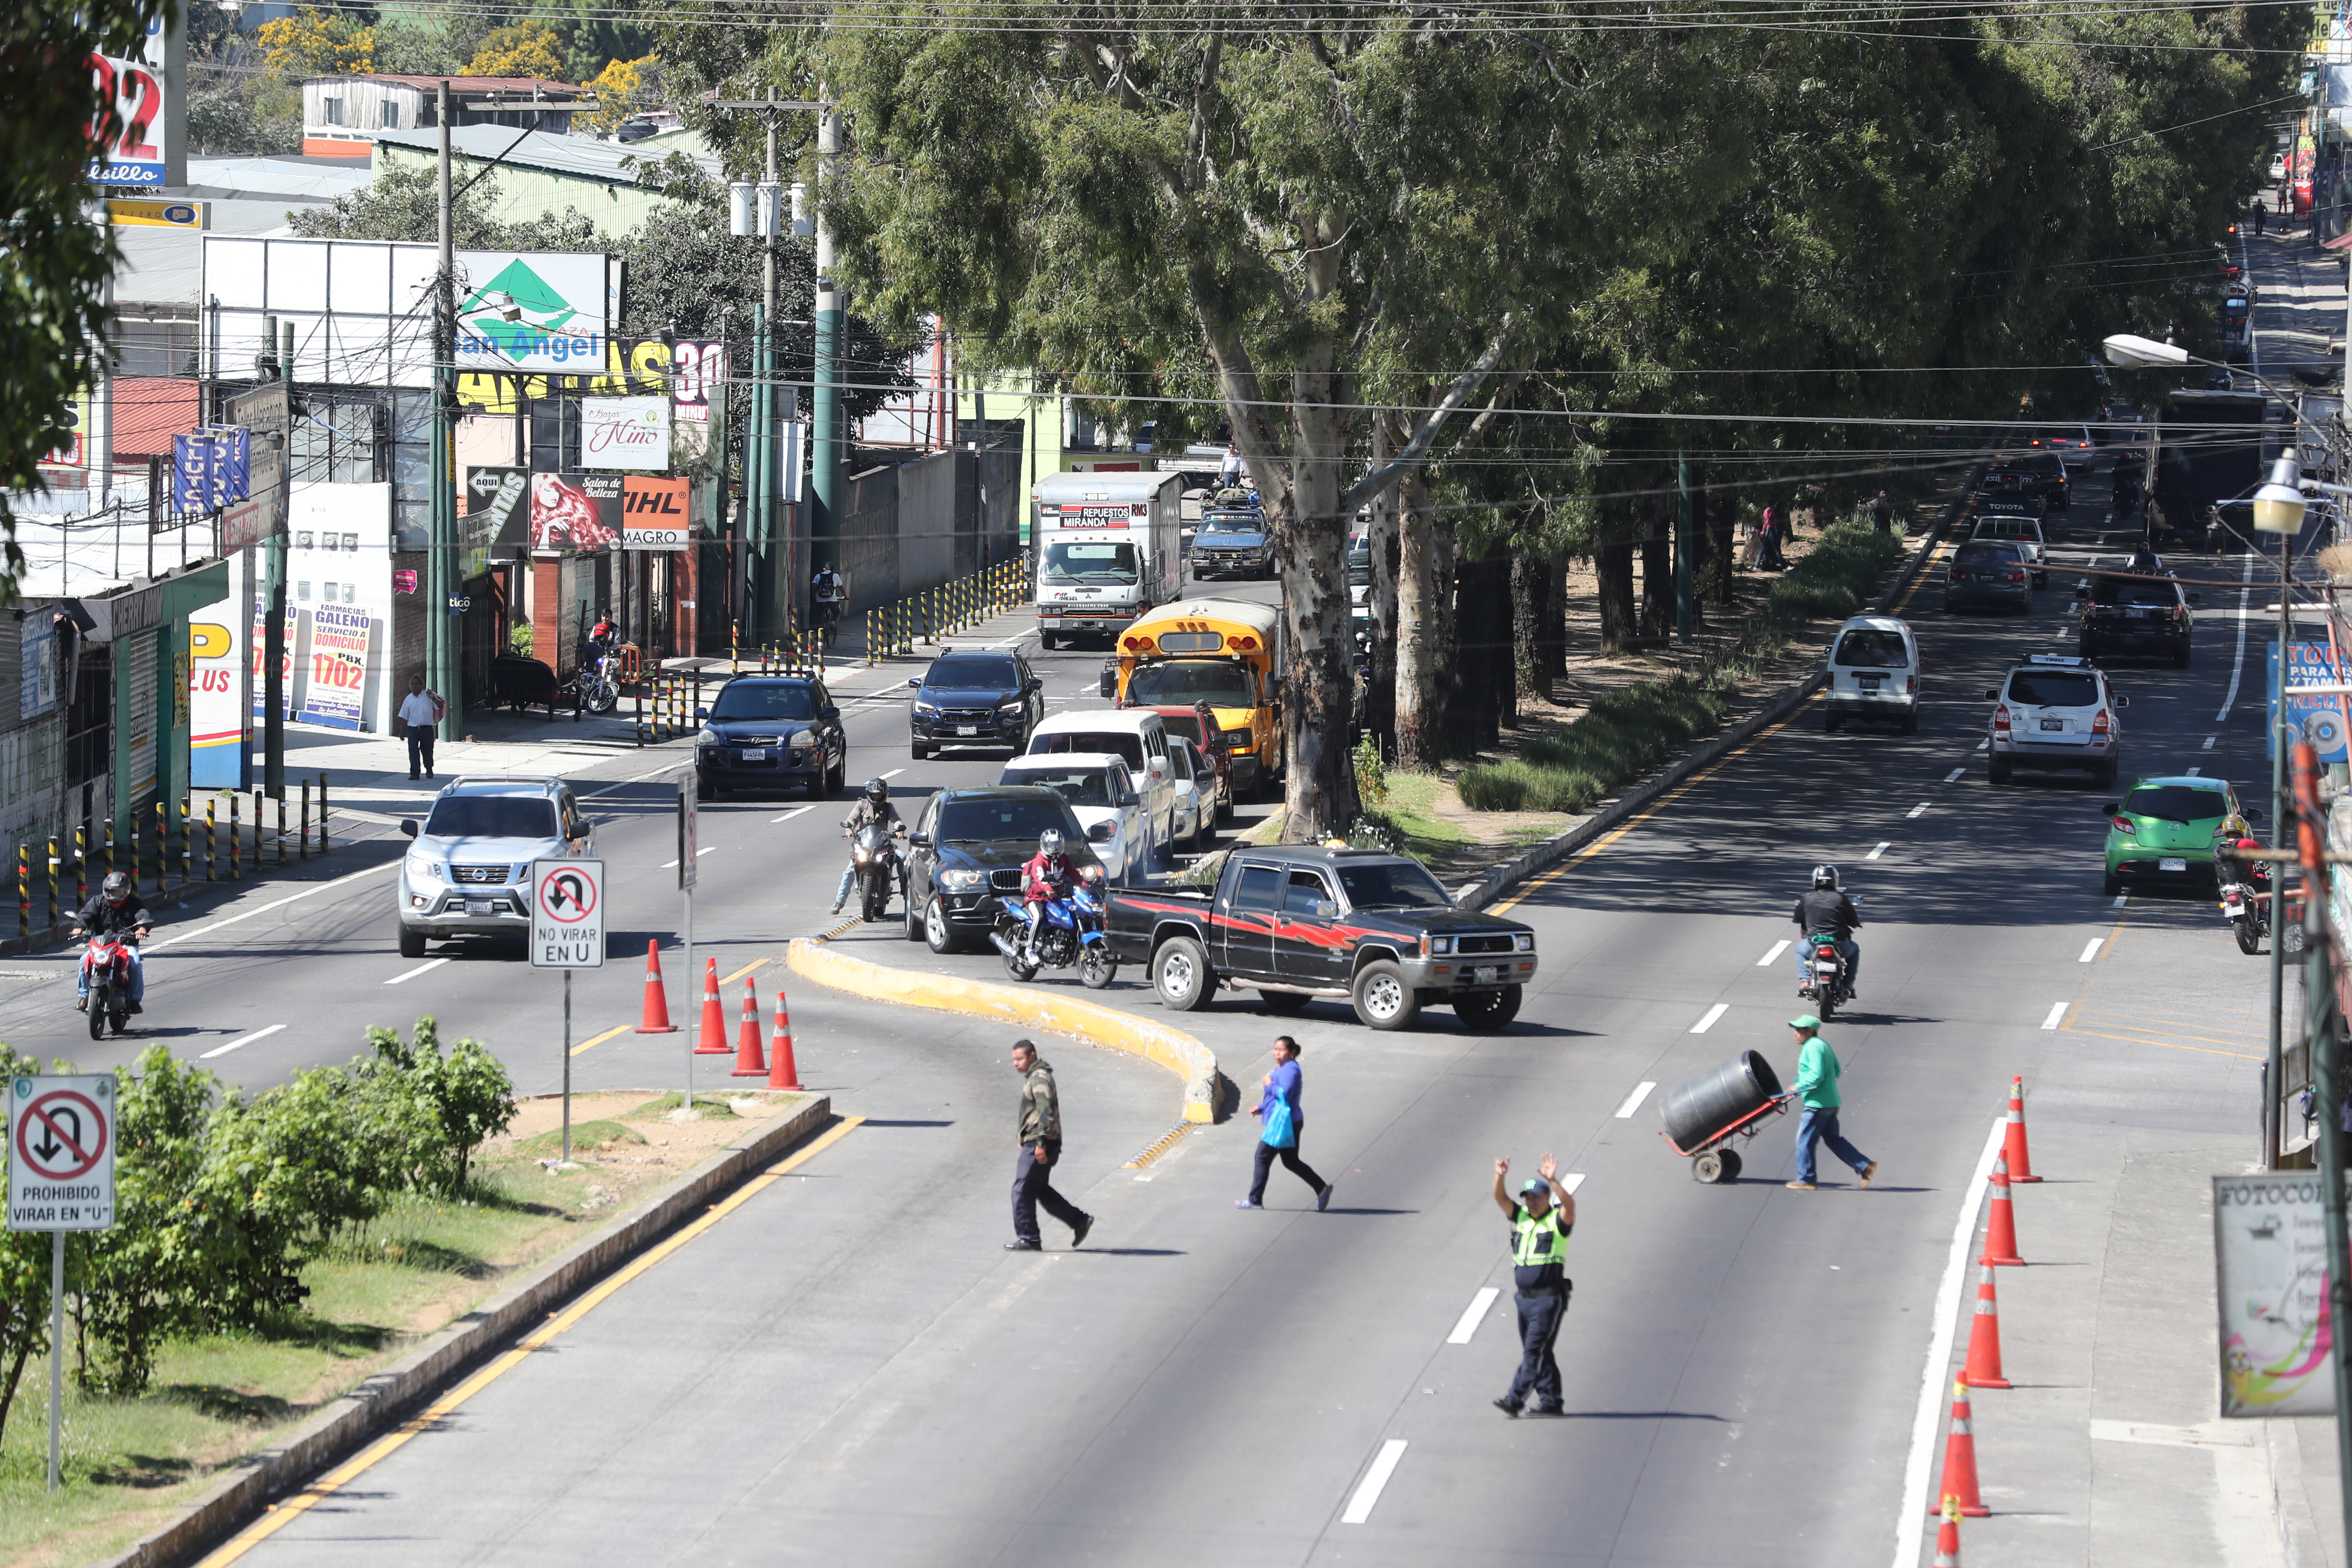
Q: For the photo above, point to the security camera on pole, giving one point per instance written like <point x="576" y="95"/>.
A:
<point x="61" y="1178"/>
<point x="567" y="933"/>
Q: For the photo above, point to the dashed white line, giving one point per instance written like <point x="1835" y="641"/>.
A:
<point x="706" y="849"/>
<point x="1882" y="849"/>
<point x="2122" y="899"/>
<point x="894" y="773"/>
<point x="1570" y="1181"/>
<point x="1633" y="1100"/>
<point x="1772" y="956"/>
<point x="2209" y="742"/>
<point x="1954" y="776"/>
<point x="1471" y="1316"/>
<point x="1707" y="1023"/>
<point x="786" y="817"/>
<point x="2057" y="1011"/>
<point x="422" y="968"/>
<point x="2091" y="950"/>
<point x="1918" y="810"/>
<point x="256" y="1035"/>
<point x="2238" y="663"/>
<point x="2194" y="772"/>
<point x="1368" y="1491"/>
<point x="1984" y="745"/>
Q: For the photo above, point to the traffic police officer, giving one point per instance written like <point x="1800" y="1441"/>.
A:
<point x="1541" y="1217"/>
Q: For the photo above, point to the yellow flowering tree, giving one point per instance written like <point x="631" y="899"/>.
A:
<point x="625" y="88"/>
<point x="523" y="49"/>
<point x="315" y="42"/>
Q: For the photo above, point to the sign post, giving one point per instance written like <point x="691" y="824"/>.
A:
<point x="567" y="933"/>
<point x="686" y="828"/>
<point x="61" y="1178"/>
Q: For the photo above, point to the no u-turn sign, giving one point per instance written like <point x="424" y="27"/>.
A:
<point x="567" y="914"/>
<point x="61" y="1153"/>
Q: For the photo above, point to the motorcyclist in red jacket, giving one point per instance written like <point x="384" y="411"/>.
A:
<point x="1046" y="876"/>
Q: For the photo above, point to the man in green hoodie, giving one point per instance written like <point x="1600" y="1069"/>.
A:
<point x="1816" y="1089"/>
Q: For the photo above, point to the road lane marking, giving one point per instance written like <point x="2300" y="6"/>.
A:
<point x="600" y="1039"/>
<point x="420" y="969"/>
<point x="2167" y="1045"/>
<point x="1934" y="1387"/>
<point x="1920" y="580"/>
<point x="731" y="979"/>
<point x="1954" y="776"/>
<point x="1703" y="1024"/>
<point x="1633" y="1100"/>
<point x="1985" y="745"/>
<point x="786" y="817"/>
<point x="2209" y="742"/>
<point x="1772" y="956"/>
<point x="274" y="904"/>
<point x="1471" y="1316"/>
<point x="1570" y="1181"/>
<point x="1882" y="849"/>
<point x="428" y="1419"/>
<point x="672" y="865"/>
<point x="2122" y="899"/>
<point x="1368" y="1491"/>
<point x="2057" y="1011"/>
<point x="1918" y="810"/>
<point x="256" y="1035"/>
<point x="2091" y="950"/>
<point x="893" y="774"/>
<point x="2194" y="772"/>
<point x="2237" y="664"/>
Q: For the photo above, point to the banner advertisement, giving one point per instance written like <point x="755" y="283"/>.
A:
<point x="655" y="513"/>
<point x="497" y="517"/>
<point x="574" y="511"/>
<point x="631" y="433"/>
<point x="341" y="655"/>
<point x="698" y="394"/>
<point x="211" y="469"/>
<point x="2269" y="1257"/>
<point x="217" y="713"/>
<point x="37" y="667"/>
<point x="132" y="154"/>
<point x="540" y="311"/>
<point x="2317" y="717"/>
<point x="338" y="629"/>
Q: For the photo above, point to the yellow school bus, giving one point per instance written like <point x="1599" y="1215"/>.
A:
<point x="1226" y="653"/>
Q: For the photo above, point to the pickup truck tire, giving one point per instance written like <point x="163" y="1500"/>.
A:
<point x="411" y="943"/>
<point x="1284" y="1000"/>
<point x="1384" y="998"/>
<point x="1180" y="974"/>
<point x="1487" y="1009"/>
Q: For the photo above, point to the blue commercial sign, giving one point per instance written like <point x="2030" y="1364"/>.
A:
<point x="2319" y="718"/>
<point x="212" y="469"/>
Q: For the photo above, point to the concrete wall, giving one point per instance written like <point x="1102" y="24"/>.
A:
<point x="917" y="525"/>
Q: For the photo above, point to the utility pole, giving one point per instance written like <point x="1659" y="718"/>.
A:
<point x="442" y="639"/>
<point x="1685" y="610"/>
<point x="273" y="601"/>
<point x="824" y="512"/>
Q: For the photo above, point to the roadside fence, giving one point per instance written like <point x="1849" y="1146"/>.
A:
<point x="943" y="611"/>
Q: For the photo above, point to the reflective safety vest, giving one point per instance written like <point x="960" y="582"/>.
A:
<point x="1535" y="1242"/>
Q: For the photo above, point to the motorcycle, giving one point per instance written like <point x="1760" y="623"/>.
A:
<point x="2247" y="907"/>
<point x="873" y="859"/>
<point x="1825" y="983"/>
<point x="598" y="691"/>
<point x="110" y="982"/>
<point x="1071" y="932"/>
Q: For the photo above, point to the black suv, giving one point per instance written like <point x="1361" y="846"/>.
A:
<point x="967" y="851"/>
<point x="977" y="697"/>
<point x="2135" y="615"/>
<point x="769" y="731"/>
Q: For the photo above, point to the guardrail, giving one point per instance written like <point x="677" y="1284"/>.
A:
<point x="943" y="611"/>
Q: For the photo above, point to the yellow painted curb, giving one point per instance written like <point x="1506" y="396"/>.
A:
<point x="1179" y="1052"/>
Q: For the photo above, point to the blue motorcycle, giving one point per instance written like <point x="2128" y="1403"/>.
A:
<point x="1071" y="932"/>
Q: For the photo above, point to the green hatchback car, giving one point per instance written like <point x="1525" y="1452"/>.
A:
<point x="2163" y="831"/>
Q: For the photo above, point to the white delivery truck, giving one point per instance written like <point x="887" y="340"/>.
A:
<point x="1110" y="548"/>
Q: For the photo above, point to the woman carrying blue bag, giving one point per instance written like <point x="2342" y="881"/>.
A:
<point x="1279" y="1109"/>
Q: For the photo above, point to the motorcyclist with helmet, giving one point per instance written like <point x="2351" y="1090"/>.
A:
<point x="1044" y="876"/>
<point x="873" y="810"/>
<point x="117" y="911"/>
<point x="1823" y="909"/>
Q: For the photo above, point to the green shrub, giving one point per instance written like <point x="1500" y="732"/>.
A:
<point x="441" y="1109"/>
<point x="1371" y="771"/>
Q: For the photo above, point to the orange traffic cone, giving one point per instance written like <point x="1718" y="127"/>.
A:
<point x="1958" y="1489"/>
<point x="2001" y="1229"/>
<point x="2020" y="1164"/>
<point x="1983" y="1370"/>
<point x="1948" y="1538"/>
<point x="712" y="1040"/>
<point x="657" y="1019"/>
<point x="749" y="1062"/>
<point x="784" y="1073"/>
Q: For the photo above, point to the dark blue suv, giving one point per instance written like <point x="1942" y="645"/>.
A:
<point x="976" y="697"/>
<point x="767" y="732"/>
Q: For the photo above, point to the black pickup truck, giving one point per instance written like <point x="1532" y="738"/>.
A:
<point x="1296" y="922"/>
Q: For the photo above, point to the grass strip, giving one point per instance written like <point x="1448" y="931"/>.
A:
<point x="1626" y="733"/>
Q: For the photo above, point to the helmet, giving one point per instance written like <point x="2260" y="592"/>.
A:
<point x="877" y="791"/>
<point x="1050" y="841"/>
<point x="117" y="886"/>
<point x="1825" y="877"/>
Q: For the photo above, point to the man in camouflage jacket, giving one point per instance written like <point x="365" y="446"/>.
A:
<point x="1041" y="1145"/>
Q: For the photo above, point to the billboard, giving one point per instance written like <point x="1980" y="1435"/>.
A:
<point x="574" y="511"/>
<point x="217" y="712"/>
<point x="2270" y="1260"/>
<point x="130" y="150"/>
<point x="624" y="433"/>
<point x="655" y="513"/>
<point x="2318" y="717"/>
<point x="497" y="517"/>
<point x="538" y="311"/>
<point x="338" y="609"/>
<point x="698" y="392"/>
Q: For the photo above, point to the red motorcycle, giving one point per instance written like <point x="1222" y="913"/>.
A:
<point x="109" y="960"/>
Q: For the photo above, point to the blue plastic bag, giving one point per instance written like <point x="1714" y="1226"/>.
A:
<point x="1281" y="1131"/>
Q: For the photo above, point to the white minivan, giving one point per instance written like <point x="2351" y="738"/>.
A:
<point x="1102" y="795"/>
<point x="1874" y="674"/>
<point x="1138" y="736"/>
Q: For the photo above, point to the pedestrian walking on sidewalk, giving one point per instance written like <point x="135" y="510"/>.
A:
<point x="1282" y="1119"/>
<point x="1541" y="1216"/>
<point x="1769" y="535"/>
<point x="420" y="716"/>
<point x="1041" y="1145"/>
<point x="1882" y="513"/>
<point x="1816" y="1089"/>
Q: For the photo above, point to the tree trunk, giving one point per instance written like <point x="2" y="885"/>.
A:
<point x="1318" y="684"/>
<point x="1483" y="687"/>
<point x="1532" y="627"/>
<point x="1424" y="624"/>
<point x="1379" y="701"/>
<point x="1555" y="622"/>
<point x="1723" y="526"/>
<point x="1612" y="563"/>
<point x="1657" y="566"/>
<point x="1702" y="555"/>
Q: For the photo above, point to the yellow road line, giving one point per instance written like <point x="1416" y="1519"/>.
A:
<point x="1527" y="889"/>
<point x="2165" y="1031"/>
<point x="2167" y="1045"/>
<point x="283" y="1514"/>
<point x="600" y="1039"/>
<point x="731" y="979"/>
<point x="1920" y="580"/>
<point x="2114" y="933"/>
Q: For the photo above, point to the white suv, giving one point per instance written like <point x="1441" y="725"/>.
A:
<point x="468" y="873"/>
<point x="2054" y="711"/>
